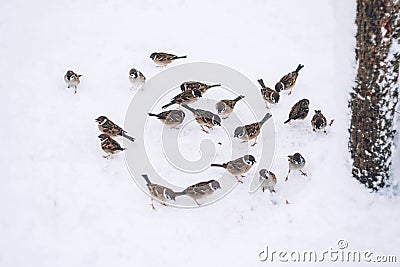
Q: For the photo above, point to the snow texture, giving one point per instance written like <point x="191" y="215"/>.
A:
<point x="64" y="205"/>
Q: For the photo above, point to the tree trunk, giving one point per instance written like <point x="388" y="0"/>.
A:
<point x="375" y="94"/>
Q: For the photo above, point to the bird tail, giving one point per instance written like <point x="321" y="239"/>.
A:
<point x="167" y="105"/>
<point x="266" y="117"/>
<point x="238" y="98"/>
<point x="146" y="178"/>
<point x="261" y="82"/>
<point x="189" y="108"/>
<point x="154" y="115"/>
<point x="213" y="85"/>
<point x="299" y="67"/>
<point x="128" y="137"/>
<point x="219" y="165"/>
<point x="180" y="193"/>
<point x="181" y="57"/>
<point x="287" y="121"/>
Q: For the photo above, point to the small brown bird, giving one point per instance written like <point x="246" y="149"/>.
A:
<point x="267" y="180"/>
<point x="299" y="111"/>
<point x="110" y="128"/>
<point x="163" y="59"/>
<point x="72" y="79"/>
<point x="251" y="131"/>
<point x="296" y="162"/>
<point x="225" y="107"/>
<point x="171" y="118"/>
<point x="204" y="118"/>
<point x="186" y="97"/>
<point x="200" y="190"/>
<point x="318" y="121"/>
<point x="109" y="145"/>
<point x="269" y="95"/>
<point x="289" y="80"/>
<point x="239" y="166"/>
<point x="159" y="192"/>
<point x="197" y="85"/>
<point x="136" y="78"/>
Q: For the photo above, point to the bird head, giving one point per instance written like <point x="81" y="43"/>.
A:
<point x="133" y="73"/>
<point x="101" y="119"/>
<point x="249" y="159"/>
<point x="103" y="137"/>
<point x="239" y="132"/>
<point x="169" y="194"/>
<point x="153" y="56"/>
<point x="220" y="106"/>
<point x="215" y="185"/>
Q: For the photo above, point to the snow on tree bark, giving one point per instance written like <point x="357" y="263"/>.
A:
<point x="375" y="94"/>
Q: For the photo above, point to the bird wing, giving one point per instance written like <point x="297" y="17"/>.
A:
<point x="252" y="129"/>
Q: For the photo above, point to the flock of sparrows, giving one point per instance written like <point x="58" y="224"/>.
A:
<point x="190" y="92"/>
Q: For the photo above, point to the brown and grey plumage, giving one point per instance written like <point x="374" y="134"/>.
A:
<point x="159" y="192"/>
<point x="171" y="118"/>
<point x="299" y="111"/>
<point x="296" y="162"/>
<point x="289" y="80"/>
<point x="225" y="107"/>
<point x="239" y="166"/>
<point x="112" y="129"/>
<point x="109" y="145"/>
<point x="163" y="59"/>
<point x="72" y="79"/>
<point x="136" y="77"/>
<point x="186" y="97"/>
<point x="204" y="118"/>
<point x="200" y="190"/>
<point x="197" y="85"/>
<point x="267" y="180"/>
<point x="251" y="131"/>
<point x="269" y="95"/>
<point x="318" y="122"/>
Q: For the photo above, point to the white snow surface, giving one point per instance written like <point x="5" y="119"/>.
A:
<point x="62" y="204"/>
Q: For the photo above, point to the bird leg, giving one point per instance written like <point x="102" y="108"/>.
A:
<point x="203" y="129"/>
<point x="239" y="181"/>
<point x="152" y="204"/>
<point x="75" y="89"/>
<point x="303" y="173"/>
<point x="195" y="200"/>
<point x="107" y="156"/>
<point x="287" y="176"/>
<point x="290" y="92"/>
<point x="273" y="190"/>
<point x="263" y="189"/>
<point x="255" y="142"/>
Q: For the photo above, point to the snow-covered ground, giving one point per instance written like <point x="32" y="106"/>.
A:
<point x="62" y="204"/>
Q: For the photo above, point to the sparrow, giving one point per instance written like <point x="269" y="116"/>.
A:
<point x="136" y="78"/>
<point x="204" y="118"/>
<point x="289" y="80"/>
<point x="187" y="97"/>
<point x="251" y="131"/>
<point x="110" y="128"/>
<point x="163" y="59"/>
<point x="299" y="111"/>
<point x="159" y="192"/>
<point x="238" y="166"/>
<point x="269" y="95"/>
<point x="267" y="180"/>
<point x="296" y="162"/>
<point x="72" y="79"/>
<point x="109" y="145"/>
<point x="171" y="118"/>
<point x="225" y="107"/>
<point x="197" y="85"/>
<point x="318" y="121"/>
<point x="200" y="190"/>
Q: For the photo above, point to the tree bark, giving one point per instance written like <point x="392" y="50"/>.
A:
<point x="375" y="94"/>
